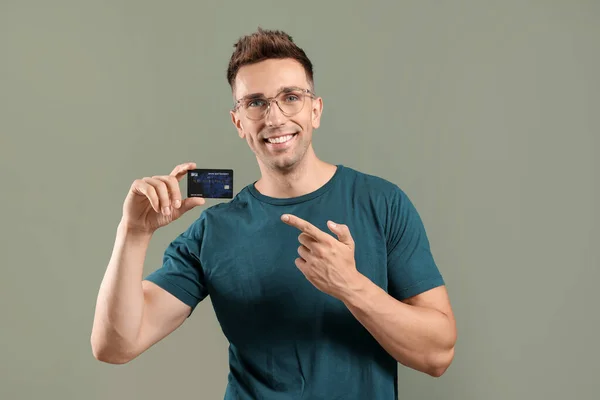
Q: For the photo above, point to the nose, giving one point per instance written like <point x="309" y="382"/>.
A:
<point x="274" y="115"/>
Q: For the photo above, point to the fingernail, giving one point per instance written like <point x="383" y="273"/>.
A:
<point x="286" y="217"/>
<point x="177" y="203"/>
<point x="333" y="224"/>
<point x="167" y="210"/>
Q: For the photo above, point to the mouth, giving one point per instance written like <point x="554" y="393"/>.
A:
<point x="280" y="141"/>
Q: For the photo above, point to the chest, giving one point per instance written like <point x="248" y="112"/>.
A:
<point x="254" y="262"/>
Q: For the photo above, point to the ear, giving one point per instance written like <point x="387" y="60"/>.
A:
<point x="237" y="122"/>
<point x="317" y="110"/>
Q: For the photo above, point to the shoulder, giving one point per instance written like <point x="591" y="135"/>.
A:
<point x="220" y="211"/>
<point x="373" y="186"/>
<point x="238" y="204"/>
<point x="385" y="200"/>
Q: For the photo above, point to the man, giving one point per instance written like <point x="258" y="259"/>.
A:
<point x="321" y="276"/>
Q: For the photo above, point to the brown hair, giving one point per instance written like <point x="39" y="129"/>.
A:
<point x="262" y="45"/>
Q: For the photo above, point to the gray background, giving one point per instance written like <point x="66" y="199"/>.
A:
<point x="485" y="113"/>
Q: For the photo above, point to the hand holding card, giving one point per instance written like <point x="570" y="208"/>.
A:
<point x="210" y="183"/>
<point x="153" y="202"/>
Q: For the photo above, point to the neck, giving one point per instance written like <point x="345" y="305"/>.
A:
<point x="305" y="177"/>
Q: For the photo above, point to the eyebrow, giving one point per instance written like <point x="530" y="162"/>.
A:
<point x="279" y="90"/>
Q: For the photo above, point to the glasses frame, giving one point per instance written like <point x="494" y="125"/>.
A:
<point x="305" y="92"/>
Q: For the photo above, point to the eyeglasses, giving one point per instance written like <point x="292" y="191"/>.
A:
<point x="290" y="101"/>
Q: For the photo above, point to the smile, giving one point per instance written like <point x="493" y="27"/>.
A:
<point x="280" y="139"/>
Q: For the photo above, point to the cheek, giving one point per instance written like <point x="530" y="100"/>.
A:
<point x="253" y="139"/>
<point x="305" y="121"/>
<point x="251" y="133"/>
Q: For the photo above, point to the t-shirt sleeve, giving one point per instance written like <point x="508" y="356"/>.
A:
<point x="411" y="266"/>
<point x="181" y="273"/>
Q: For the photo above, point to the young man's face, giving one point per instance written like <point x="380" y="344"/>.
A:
<point x="268" y="78"/>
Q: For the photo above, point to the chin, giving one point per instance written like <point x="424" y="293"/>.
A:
<point x="286" y="161"/>
<point x="284" y="164"/>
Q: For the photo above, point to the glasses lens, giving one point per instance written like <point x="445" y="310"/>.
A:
<point x="290" y="103"/>
<point x="255" y="108"/>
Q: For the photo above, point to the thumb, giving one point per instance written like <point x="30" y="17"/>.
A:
<point x="189" y="203"/>
<point x="342" y="232"/>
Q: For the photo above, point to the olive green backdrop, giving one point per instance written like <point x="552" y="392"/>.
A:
<point x="485" y="113"/>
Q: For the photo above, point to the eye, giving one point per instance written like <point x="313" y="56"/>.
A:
<point x="291" y="98"/>
<point x="255" y="103"/>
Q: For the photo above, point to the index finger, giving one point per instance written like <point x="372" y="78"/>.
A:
<point x="303" y="225"/>
<point x="180" y="170"/>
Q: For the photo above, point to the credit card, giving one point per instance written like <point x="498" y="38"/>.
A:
<point x="210" y="183"/>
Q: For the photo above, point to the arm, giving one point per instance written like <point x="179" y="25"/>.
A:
<point x="419" y="333"/>
<point x="131" y="315"/>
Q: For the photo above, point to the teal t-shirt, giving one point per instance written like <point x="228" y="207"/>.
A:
<point x="287" y="339"/>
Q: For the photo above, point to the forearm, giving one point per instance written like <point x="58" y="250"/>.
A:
<point x="420" y="338"/>
<point x="120" y="302"/>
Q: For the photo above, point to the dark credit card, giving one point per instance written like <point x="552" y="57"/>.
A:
<point x="210" y="183"/>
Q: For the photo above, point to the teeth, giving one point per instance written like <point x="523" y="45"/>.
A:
<point x="281" y="139"/>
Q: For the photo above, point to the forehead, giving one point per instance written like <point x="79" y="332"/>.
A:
<point x="269" y="76"/>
